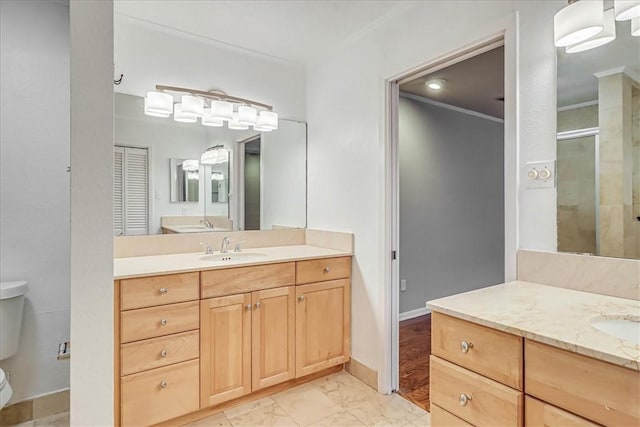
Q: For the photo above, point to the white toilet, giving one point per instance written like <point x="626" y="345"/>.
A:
<point x="11" y="304"/>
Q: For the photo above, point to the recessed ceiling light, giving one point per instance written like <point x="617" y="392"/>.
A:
<point x="435" y="84"/>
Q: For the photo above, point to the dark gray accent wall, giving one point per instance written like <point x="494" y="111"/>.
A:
<point x="451" y="202"/>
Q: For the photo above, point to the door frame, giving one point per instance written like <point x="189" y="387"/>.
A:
<point x="507" y="36"/>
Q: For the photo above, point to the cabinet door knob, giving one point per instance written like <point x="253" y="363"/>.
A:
<point x="163" y="353"/>
<point x="258" y="305"/>
<point x="163" y="322"/>
<point x="163" y="290"/>
<point x="465" y="346"/>
<point x="464" y="399"/>
<point x="327" y="269"/>
<point x="301" y="298"/>
<point x="163" y="384"/>
<point x="248" y="307"/>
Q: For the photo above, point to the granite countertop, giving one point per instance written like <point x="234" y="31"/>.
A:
<point x="126" y="268"/>
<point x="555" y="316"/>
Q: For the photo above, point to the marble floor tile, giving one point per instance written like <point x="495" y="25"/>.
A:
<point x="271" y="415"/>
<point x="217" y="420"/>
<point x="306" y="404"/>
<point x="341" y="419"/>
<point x="248" y="407"/>
<point x="387" y="411"/>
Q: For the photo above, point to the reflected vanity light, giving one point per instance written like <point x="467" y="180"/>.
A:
<point x="435" y="84"/>
<point x="215" y="155"/>
<point x="260" y="116"/>
<point x="608" y="34"/>
<point x="193" y="175"/>
<point x="578" y="21"/>
<point x="217" y="176"/>
<point x="191" y="165"/>
<point x="626" y="9"/>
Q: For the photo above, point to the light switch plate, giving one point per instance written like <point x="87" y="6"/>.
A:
<point x="540" y="174"/>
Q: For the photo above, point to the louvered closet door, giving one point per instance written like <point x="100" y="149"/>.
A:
<point x="130" y="191"/>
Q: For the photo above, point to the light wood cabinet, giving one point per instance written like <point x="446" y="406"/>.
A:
<point x="539" y="413"/>
<point x="323" y="325"/>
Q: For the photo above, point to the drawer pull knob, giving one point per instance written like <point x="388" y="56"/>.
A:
<point x="163" y="322"/>
<point x="163" y="290"/>
<point x="464" y="399"/>
<point x="327" y="269"/>
<point x="258" y="305"/>
<point x="301" y="298"/>
<point x="248" y="307"/>
<point x="163" y="384"/>
<point x="465" y="346"/>
<point x="163" y="353"/>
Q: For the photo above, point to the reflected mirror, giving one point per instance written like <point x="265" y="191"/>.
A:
<point x="598" y="148"/>
<point x="185" y="180"/>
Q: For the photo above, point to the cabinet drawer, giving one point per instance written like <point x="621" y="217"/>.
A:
<point x="489" y="403"/>
<point x="158" y="321"/>
<point x="489" y="352"/>
<point x="160" y="394"/>
<point x="597" y="390"/>
<point x="230" y="281"/>
<point x="538" y="413"/>
<point x="157" y="352"/>
<point x="442" y="418"/>
<point x="320" y="270"/>
<point x="159" y="290"/>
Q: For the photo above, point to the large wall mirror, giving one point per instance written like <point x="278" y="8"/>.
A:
<point x="598" y="148"/>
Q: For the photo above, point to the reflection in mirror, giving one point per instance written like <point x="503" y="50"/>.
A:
<point x="598" y="148"/>
<point x="185" y="180"/>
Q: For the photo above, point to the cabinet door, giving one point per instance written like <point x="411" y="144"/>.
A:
<point x="273" y="336"/>
<point x="225" y="348"/>
<point x="322" y="326"/>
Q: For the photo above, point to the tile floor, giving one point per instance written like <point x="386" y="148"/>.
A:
<point x="336" y="400"/>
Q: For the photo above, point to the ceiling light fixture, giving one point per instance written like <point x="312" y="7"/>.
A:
<point x="626" y="9"/>
<point x="220" y="108"/>
<point x="608" y="34"/>
<point x="578" y="21"/>
<point x="435" y="84"/>
<point x="215" y="155"/>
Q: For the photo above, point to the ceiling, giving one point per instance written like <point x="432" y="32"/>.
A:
<point x="576" y="80"/>
<point x="295" y="31"/>
<point x="472" y="84"/>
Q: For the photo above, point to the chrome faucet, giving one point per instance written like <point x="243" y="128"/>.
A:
<point x="206" y="223"/>
<point x="237" y="248"/>
<point x="208" y="249"/>
<point x="225" y="245"/>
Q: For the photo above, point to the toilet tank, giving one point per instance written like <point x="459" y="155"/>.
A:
<point x="11" y="305"/>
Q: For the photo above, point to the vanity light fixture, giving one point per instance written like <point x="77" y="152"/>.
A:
<point x="577" y="22"/>
<point x="220" y="109"/>
<point x="435" y="84"/>
<point x="190" y="165"/>
<point x="608" y="34"/>
<point x="215" y="155"/>
<point x="626" y="9"/>
<point x="635" y="27"/>
<point x="217" y="176"/>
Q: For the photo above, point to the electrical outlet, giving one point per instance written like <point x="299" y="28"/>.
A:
<point x="403" y="285"/>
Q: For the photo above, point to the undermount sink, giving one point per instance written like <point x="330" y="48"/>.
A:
<point x="623" y="328"/>
<point x="234" y="256"/>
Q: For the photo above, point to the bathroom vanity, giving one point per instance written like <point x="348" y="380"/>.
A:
<point x="192" y="333"/>
<point x="526" y="354"/>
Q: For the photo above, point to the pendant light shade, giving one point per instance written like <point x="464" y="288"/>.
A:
<point x="180" y="116"/>
<point x="267" y="120"/>
<point x="190" y="165"/>
<point x="247" y="115"/>
<point x="192" y="105"/>
<point x="626" y="9"/>
<point x="577" y="22"/>
<point x="235" y="123"/>
<point x="214" y="155"/>
<point x="158" y="104"/>
<point x="635" y="27"/>
<point x="222" y="110"/>
<point x="209" y="120"/>
<point x="607" y="35"/>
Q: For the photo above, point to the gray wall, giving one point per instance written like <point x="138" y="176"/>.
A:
<point x="451" y="202"/>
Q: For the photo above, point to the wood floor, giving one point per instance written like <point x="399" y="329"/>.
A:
<point x="415" y="349"/>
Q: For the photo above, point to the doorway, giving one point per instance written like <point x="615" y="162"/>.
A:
<point x="450" y="196"/>
<point x="252" y="166"/>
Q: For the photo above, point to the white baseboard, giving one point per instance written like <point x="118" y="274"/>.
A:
<point x="414" y="313"/>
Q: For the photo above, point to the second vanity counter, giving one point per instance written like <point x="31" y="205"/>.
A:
<point x="126" y="268"/>
<point x="555" y="316"/>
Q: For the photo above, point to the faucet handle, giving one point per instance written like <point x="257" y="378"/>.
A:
<point x="237" y="247"/>
<point x="208" y="250"/>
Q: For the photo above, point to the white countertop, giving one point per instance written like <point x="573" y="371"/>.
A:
<point x="124" y="268"/>
<point x="193" y="228"/>
<point x="555" y="316"/>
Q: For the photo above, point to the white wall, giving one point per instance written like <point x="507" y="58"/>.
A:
<point x="351" y="84"/>
<point x="451" y="202"/>
<point x="34" y="186"/>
